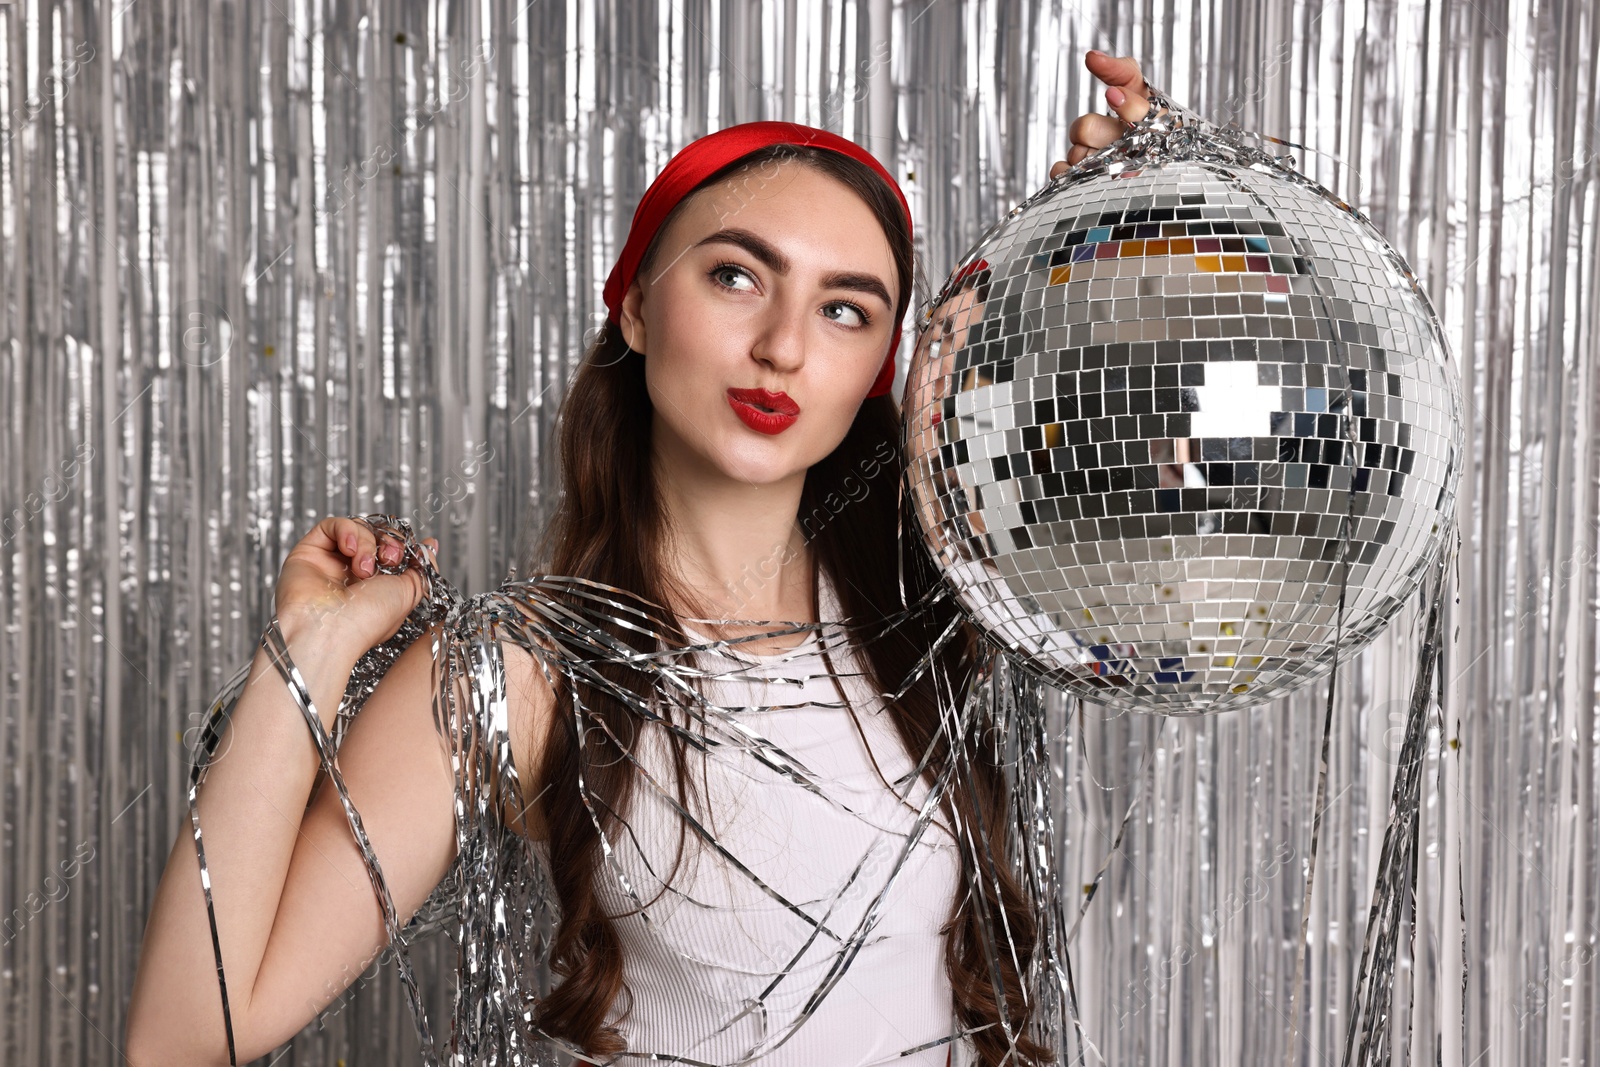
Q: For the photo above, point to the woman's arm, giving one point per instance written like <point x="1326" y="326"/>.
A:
<point x="297" y="919"/>
<point x="296" y="914"/>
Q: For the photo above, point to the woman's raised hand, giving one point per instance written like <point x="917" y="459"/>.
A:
<point x="1128" y="96"/>
<point x="330" y="582"/>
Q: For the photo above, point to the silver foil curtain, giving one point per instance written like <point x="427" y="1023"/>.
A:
<point x="268" y="260"/>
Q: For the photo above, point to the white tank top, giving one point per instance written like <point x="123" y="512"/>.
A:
<point x="721" y="971"/>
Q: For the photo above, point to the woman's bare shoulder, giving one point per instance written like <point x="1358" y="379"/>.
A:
<point x="530" y="704"/>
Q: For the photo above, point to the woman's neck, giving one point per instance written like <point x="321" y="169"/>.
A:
<point x="740" y="548"/>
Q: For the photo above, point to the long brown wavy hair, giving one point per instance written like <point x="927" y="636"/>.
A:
<point x="609" y="526"/>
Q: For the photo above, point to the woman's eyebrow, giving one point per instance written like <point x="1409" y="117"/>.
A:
<point x="769" y="255"/>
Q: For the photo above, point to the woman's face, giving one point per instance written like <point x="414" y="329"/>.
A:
<point x="778" y="278"/>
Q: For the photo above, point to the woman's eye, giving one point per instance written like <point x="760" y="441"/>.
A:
<point x="860" y="316"/>
<point x="725" y="271"/>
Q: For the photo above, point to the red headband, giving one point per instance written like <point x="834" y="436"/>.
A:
<point x="701" y="158"/>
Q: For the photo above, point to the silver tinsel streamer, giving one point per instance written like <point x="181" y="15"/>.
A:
<point x="263" y="262"/>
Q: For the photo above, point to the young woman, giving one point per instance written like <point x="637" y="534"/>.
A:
<point x="738" y="394"/>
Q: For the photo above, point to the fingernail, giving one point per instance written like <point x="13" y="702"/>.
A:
<point x="1097" y="52"/>
<point x="350" y="542"/>
<point x="366" y="563"/>
<point x="1116" y="96"/>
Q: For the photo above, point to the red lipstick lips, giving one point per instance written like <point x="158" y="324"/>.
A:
<point x="763" y="411"/>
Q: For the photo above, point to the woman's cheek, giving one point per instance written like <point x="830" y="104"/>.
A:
<point x="837" y="429"/>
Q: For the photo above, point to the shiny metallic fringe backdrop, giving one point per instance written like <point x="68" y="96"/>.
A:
<point x="263" y="262"/>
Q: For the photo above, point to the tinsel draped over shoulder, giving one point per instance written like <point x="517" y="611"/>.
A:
<point x="496" y="903"/>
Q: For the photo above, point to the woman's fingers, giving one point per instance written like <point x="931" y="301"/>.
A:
<point x="363" y="549"/>
<point x="1126" y="90"/>
<point x="354" y="541"/>
<point x="1089" y="133"/>
<point x="390" y="550"/>
<point x="1075" y="155"/>
<point x="1095" y="131"/>
<point x="1128" y="96"/>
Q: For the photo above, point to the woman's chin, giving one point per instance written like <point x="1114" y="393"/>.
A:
<point x="763" y="461"/>
<point x="763" y="473"/>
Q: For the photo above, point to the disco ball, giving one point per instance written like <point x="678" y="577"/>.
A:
<point x="1166" y="410"/>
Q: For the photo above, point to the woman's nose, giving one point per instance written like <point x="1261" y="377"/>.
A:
<point x="781" y="341"/>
